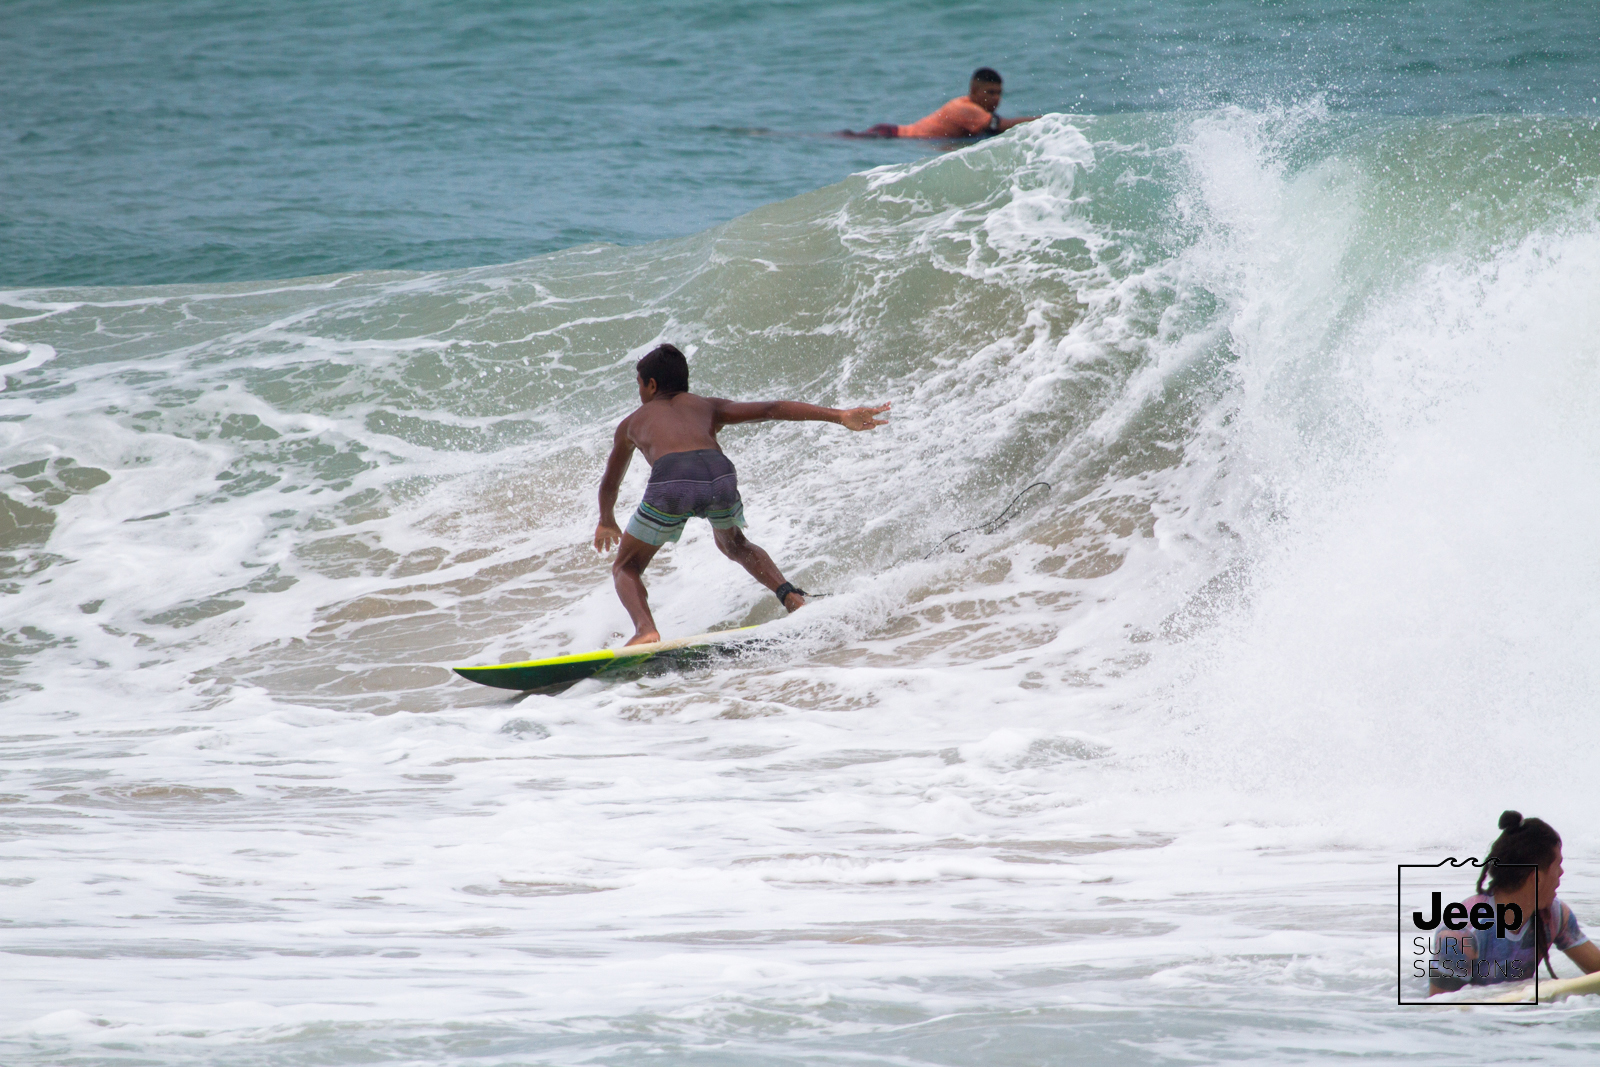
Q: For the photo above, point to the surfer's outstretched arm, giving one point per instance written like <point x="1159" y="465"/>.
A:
<point x="729" y="412"/>
<point x="608" y="533"/>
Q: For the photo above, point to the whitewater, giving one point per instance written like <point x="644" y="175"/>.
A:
<point x="1311" y="592"/>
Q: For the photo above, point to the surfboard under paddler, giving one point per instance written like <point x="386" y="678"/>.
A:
<point x="677" y="654"/>
<point x="1549" y="989"/>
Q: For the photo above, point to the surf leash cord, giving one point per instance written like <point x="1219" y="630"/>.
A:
<point x="783" y="591"/>
<point x="1010" y="512"/>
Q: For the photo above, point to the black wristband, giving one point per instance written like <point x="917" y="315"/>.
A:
<point x="783" y="591"/>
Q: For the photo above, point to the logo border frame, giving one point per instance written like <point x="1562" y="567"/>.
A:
<point x="1399" y="935"/>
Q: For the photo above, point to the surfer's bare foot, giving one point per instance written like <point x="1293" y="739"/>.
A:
<point x="794" y="602"/>
<point x="644" y="637"/>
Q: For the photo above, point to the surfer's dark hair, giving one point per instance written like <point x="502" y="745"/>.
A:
<point x="986" y="74"/>
<point x="667" y="367"/>
<point x="1520" y="841"/>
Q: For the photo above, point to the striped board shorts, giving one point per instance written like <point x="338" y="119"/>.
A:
<point x="683" y="485"/>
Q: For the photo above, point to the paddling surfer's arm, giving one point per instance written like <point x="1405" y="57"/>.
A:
<point x="608" y="533"/>
<point x="729" y="412"/>
<point x="1586" y="955"/>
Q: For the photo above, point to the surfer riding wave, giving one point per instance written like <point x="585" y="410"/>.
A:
<point x="690" y="478"/>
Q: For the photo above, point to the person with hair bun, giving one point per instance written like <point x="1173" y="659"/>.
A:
<point x="1490" y="959"/>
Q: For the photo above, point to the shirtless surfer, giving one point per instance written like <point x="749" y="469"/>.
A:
<point x="677" y="432"/>
<point x="972" y="115"/>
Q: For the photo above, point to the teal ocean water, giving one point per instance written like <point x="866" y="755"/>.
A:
<point x="203" y="141"/>
<point x="314" y="323"/>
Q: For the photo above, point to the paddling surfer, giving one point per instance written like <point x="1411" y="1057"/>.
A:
<point x="690" y="477"/>
<point x="972" y="115"/>
<point x="1489" y="953"/>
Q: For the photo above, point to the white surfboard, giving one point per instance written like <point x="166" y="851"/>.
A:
<point x="1551" y="990"/>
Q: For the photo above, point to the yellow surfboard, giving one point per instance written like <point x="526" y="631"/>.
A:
<point x="670" y="655"/>
<point x="1551" y="989"/>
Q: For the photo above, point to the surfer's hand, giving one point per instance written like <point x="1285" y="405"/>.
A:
<point x="606" y="537"/>
<point x="863" y="418"/>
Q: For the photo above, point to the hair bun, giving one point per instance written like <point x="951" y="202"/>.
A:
<point x="1510" y="821"/>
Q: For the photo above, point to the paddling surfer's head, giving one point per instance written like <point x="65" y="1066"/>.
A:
<point x="1523" y="841"/>
<point x="662" y="372"/>
<point x="984" y="89"/>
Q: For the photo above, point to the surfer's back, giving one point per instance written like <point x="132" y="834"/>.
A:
<point x="674" y="422"/>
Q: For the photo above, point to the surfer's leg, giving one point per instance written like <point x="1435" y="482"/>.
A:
<point x="633" y="556"/>
<point x="754" y="559"/>
<point x="649" y="529"/>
